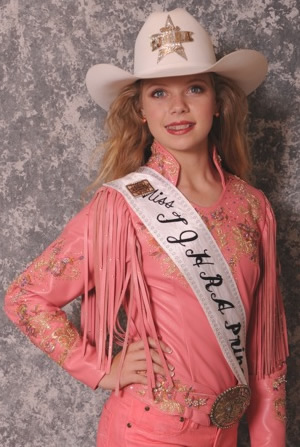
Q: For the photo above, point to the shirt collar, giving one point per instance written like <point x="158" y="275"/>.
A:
<point x="165" y="164"/>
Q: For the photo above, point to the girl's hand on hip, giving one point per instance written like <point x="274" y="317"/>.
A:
<point x="134" y="369"/>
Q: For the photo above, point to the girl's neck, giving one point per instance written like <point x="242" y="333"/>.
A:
<point x="199" y="179"/>
<point x="195" y="166"/>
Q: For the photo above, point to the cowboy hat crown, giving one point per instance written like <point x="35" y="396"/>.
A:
<point x="174" y="44"/>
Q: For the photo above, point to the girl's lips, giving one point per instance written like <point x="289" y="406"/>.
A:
<point x="180" y="128"/>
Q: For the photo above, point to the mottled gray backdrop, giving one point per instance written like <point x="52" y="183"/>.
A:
<point x="49" y="127"/>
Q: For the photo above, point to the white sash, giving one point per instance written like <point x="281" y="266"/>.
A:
<point x="180" y="231"/>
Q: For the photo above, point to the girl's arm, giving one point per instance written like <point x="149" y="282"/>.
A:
<point x="267" y="349"/>
<point x="266" y="414"/>
<point x="34" y="300"/>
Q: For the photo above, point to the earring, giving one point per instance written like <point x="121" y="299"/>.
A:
<point x="217" y="114"/>
<point x="144" y="120"/>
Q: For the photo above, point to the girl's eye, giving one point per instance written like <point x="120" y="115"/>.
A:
<point x="158" y="93"/>
<point x="196" y="89"/>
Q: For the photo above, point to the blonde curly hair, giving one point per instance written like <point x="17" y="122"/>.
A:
<point x="129" y="139"/>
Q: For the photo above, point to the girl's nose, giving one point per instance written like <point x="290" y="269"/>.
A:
<point x="178" y="104"/>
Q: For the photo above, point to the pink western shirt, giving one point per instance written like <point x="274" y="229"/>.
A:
<point x="106" y="247"/>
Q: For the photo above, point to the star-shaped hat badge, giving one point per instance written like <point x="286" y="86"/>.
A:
<point x="170" y="40"/>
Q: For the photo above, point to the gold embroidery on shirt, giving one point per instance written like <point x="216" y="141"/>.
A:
<point x="164" y="164"/>
<point x="280" y="405"/>
<point x="235" y="229"/>
<point x="280" y="400"/>
<point x="175" y="398"/>
<point x="252" y="205"/>
<point x="279" y="381"/>
<point x="235" y="224"/>
<point x="246" y="238"/>
<point x="50" y="331"/>
<point x="50" y="262"/>
<point x="219" y="218"/>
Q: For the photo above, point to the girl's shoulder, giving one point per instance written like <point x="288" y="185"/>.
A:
<point x="248" y="196"/>
<point x="109" y="196"/>
<point x="243" y="188"/>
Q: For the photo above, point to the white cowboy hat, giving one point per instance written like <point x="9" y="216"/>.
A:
<point x="173" y="44"/>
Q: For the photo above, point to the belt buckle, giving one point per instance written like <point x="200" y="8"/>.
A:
<point x="230" y="406"/>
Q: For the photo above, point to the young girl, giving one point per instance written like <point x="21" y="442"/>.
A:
<point x="180" y="240"/>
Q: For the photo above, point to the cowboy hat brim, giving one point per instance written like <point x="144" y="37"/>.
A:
<point x="247" y="68"/>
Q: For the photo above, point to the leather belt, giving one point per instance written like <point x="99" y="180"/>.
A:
<point x="223" y="410"/>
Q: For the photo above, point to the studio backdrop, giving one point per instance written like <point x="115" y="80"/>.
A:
<point x="49" y="129"/>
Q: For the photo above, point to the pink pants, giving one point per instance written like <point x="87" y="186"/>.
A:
<point x="126" y="421"/>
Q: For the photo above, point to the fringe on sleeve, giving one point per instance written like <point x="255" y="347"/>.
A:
<point x="271" y="346"/>
<point x="118" y="279"/>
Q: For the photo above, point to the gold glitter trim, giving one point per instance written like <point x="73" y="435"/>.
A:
<point x="279" y="405"/>
<point x="50" y="331"/>
<point x="52" y="262"/>
<point x="280" y="401"/>
<point x="235" y="224"/>
<point x="170" y="40"/>
<point x="166" y="165"/>
<point x="174" y="399"/>
<point x="279" y="397"/>
<point x="279" y="381"/>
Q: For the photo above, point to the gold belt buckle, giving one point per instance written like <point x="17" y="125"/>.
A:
<point x="230" y="406"/>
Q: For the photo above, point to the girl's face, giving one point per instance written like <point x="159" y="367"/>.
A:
<point x="179" y="111"/>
